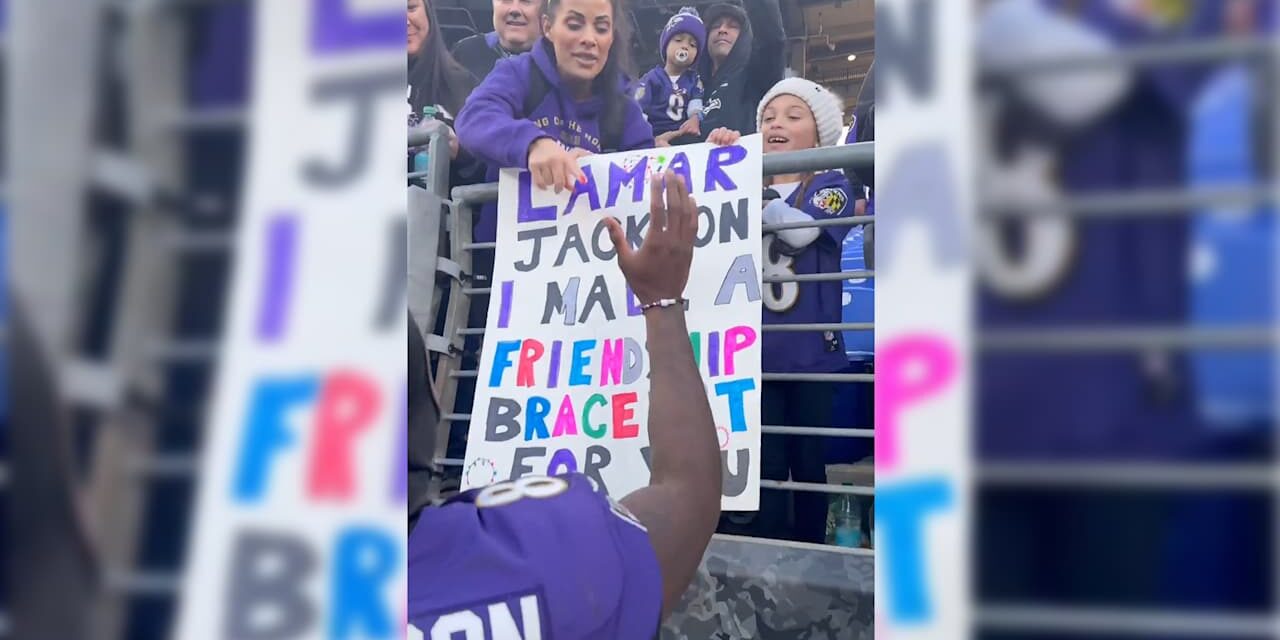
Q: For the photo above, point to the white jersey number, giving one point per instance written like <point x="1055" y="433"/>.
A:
<point x="779" y="297"/>
<point x="504" y="493"/>
<point x="675" y="107"/>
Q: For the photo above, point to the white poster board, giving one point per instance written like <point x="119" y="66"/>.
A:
<point x="924" y="224"/>
<point x="301" y="512"/>
<point x="563" y="384"/>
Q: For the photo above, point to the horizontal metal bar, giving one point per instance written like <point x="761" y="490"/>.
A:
<point x="166" y="465"/>
<point x="769" y="328"/>
<point x="1144" y="203"/>
<point x="861" y="154"/>
<point x="846" y="221"/>
<point x="767" y="377"/>
<point x="475" y="193"/>
<point x="1203" y="51"/>
<point x="782" y="485"/>
<point x="92" y="383"/>
<point x="1118" y="621"/>
<point x="184" y="350"/>
<point x="828" y="432"/>
<point x="797" y="277"/>
<point x="200" y="241"/>
<point x="822" y="277"/>
<point x="1127" y="475"/>
<point x="212" y="118"/>
<point x="139" y="583"/>
<point x="792" y="544"/>
<point x="829" y="222"/>
<point x="415" y="175"/>
<point x="831" y="432"/>
<point x="845" y="155"/>
<point x="817" y="487"/>
<point x="421" y="135"/>
<point x="818" y="377"/>
<point x="819" y="326"/>
<point x="1125" y="339"/>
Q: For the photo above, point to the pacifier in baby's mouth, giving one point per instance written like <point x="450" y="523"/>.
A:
<point x="682" y="56"/>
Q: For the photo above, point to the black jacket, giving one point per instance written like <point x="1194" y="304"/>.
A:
<point x="479" y="53"/>
<point x="754" y="65"/>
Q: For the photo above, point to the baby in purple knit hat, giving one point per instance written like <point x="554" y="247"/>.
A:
<point x="671" y="93"/>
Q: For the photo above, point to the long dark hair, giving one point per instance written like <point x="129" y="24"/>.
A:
<point x="436" y="78"/>
<point x="611" y="84"/>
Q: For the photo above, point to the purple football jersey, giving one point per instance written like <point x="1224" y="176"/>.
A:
<point x="828" y="195"/>
<point x="539" y="557"/>
<point x="666" y="105"/>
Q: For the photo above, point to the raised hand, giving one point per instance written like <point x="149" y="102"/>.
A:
<point x="660" y="267"/>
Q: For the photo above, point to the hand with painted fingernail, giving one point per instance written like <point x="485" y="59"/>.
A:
<point x="553" y="167"/>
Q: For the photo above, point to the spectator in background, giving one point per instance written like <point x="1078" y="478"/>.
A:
<point x="517" y="24"/>
<point x="745" y="56"/>
<point x="437" y="83"/>
<point x="799" y="114"/>
<point x="671" y="93"/>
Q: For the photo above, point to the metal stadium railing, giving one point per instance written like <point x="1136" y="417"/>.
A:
<point x="458" y="267"/>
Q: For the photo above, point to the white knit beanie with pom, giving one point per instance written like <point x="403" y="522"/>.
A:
<point x="828" y="111"/>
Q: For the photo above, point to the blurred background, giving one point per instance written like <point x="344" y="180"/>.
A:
<point x="1124" y="427"/>
<point x="1125" y="410"/>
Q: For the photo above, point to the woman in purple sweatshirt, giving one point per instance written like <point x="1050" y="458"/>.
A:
<point x="544" y="109"/>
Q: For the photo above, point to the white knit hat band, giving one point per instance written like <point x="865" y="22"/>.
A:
<point x="826" y="107"/>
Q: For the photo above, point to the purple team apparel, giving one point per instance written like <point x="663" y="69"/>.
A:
<point x="494" y="128"/>
<point x="547" y="557"/>
<point x="828" y="195"/>
<point x="666" y="105"/>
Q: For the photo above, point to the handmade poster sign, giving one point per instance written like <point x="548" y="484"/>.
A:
<point x="563" y="380"/>
<point x="300" y="524"/>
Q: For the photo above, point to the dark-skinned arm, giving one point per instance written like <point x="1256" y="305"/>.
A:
<point x="681" y="505"/>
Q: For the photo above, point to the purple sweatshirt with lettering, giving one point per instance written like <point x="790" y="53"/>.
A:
<point x="828" y="195"/>
<point x="551" y="552"/>
<point x="495" y="129"/>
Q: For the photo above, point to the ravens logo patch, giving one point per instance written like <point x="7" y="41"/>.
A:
<point x="830" y="201"/>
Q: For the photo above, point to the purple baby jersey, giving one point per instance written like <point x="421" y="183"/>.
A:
<point x="493" y="127"/>
<point x="828" y="195"/>
<point x="666" y="106"/>
<point x="547" y="557"/>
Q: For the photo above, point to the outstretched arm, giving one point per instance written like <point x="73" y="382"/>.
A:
<point x="681" y="505"/>
<point x="768" y="55"/>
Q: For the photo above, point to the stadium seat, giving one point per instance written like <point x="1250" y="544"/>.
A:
<point x="456" y="17"/>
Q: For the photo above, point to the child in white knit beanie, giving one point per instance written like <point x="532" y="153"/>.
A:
<point x="798" y="114"/>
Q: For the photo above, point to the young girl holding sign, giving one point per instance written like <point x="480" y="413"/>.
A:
<point x="798" y="114"/>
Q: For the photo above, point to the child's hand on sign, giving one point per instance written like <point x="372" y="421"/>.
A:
<point x="659" y="269"/>
<point x="723" y="136"/>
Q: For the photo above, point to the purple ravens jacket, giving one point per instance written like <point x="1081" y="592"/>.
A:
<point x="547" y="557"/>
